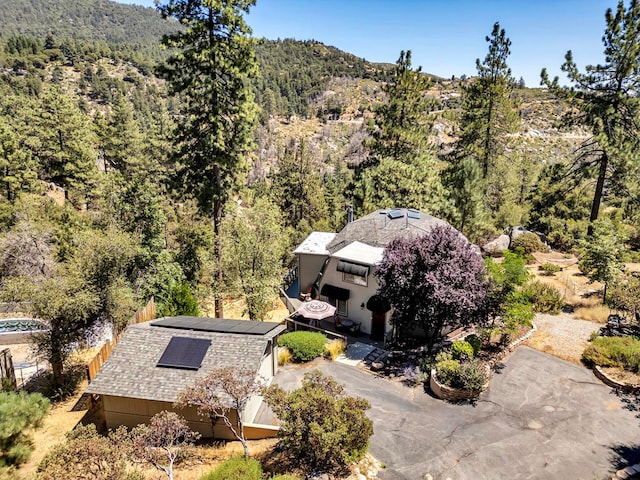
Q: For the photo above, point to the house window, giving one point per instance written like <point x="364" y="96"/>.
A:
<point x="341" y="308"/>
<point x="353" y="278"/>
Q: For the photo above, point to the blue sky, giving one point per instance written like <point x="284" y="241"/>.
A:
<point x="444" y="36"/>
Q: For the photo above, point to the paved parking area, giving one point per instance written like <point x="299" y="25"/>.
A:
<point x="542" y="418"/>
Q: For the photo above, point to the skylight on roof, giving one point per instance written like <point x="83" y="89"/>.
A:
<point x="413" y="213"/>
<point x="393" y="214"/>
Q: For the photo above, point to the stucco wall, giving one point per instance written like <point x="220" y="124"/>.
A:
<point x="358" y="296"/>
<point x="132" y="412"/>
<point x="308" y="267"/>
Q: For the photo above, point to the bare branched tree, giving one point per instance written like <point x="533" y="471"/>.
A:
<point x="26" y="251"/>
<point x="160" y="442"/>
<point x="223" y="395"/>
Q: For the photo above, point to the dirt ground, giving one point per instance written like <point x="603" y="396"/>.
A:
<point x="62" y="418"/>
<point x="567" y="334"/>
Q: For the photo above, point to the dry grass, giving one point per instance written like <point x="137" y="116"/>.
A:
<point x="206" y="458"/>
<point x="595" y="313"/>
<point x="548" y="343"/>
<point x="61" y="419"/>
<point x="284" y="356"/>
<point x="334" y="348"/>
<point x="235" y="308"/>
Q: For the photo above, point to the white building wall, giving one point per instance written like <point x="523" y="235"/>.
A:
<point x="309" y="266"/>
<point x="359" y="294"/>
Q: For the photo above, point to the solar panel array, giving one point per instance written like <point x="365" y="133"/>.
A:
<point x="184" y="352"/>
<point x="219" y="325"/>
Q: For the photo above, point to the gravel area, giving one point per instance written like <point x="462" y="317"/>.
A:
<point x="562" y="335"/>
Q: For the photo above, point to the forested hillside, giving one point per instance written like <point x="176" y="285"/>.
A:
<point x="95" y="20"/>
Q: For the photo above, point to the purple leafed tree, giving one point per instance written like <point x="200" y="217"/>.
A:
<point x="432" y="282"/>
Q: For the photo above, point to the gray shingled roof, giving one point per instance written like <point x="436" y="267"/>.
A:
<point x="377" y="229"/>
<point x="131" y="371"/>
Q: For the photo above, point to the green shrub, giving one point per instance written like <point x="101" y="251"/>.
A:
<point x="476" y="343"/>
<point x="304" y="346"/>
<point x="20" y="412"/>
<point x="237" y="468"/>
<point x="442" y="356"/>
<point x="544" y="298"/>
<point x="460" y="348"/>
<point x="622" y="352"/>
<point x="548" y="268"/>
<point x="516" y="311"/>
<point x="447" y="371"/>
<point x="319" y="424"/>
<point x="529" y="243"/>
<point x="426" y="364"/>
<point x="285" y="477"/>
<point x="470" y="376"/>
<point x="180" y="301"/>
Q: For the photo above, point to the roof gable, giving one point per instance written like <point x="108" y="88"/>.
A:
<point x="131" y="370"/>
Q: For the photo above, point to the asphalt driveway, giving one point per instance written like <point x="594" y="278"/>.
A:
<point x="542" y="418"/>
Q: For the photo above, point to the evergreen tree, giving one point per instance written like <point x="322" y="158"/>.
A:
<point x="122" y="141"/>
<point x="18" y="169"/>
<point x="297" y="187"/>
<point x="402" y="123"/>
<point x="19" y="414"/>
<point x="605" y="99"/>
<point x="601" y="257"/>
<point x="465" y="187"/>
<point x="394" y="183"/>
<point x="63" y="142"/>
<point x="488" y="111"/>
<point x="209" y="72"/>
<point x="400" y="144"/>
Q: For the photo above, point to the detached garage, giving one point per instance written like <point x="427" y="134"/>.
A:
<point x="154" y="361"/>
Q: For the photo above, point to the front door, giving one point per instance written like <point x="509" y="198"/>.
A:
<point x="377" y="326"/>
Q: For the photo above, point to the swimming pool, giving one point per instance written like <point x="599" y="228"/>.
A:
<point x="17" y="330"/>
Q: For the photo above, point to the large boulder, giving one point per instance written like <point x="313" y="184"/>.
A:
<point x="497" y="246"/>
<point x="516" y="232"/>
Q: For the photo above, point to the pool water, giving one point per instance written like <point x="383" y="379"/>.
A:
<point x="12" y="325"/>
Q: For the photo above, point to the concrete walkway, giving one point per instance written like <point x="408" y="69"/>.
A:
<point x="542" y="418"/>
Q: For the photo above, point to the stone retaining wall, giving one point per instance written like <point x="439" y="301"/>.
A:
<point x="624" y="387"/>
<point x="451" y="394"/>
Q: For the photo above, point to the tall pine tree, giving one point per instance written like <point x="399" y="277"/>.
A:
<point x="488" y="110"/>
<point x="401" y="170"/>
<point x="209" y="71"/>
<point x="605" y="99"/>
<point x="402" y="123"/>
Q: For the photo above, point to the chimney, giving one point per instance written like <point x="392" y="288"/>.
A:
<point x="349" y="213"/>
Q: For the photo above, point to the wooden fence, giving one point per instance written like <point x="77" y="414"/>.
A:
<point x="6" y="367"/>
<point x="143" y="315"/>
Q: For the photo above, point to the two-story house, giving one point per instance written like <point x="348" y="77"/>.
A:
<point x="339" y="268"/>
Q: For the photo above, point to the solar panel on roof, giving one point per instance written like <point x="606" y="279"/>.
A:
<point x="219" y="325"/>
<point x="393" y="214"/>
<point x="184" y="352"/>
<point x="413" y="214"/>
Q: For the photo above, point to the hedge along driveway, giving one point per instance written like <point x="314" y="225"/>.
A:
<point x="542" y="418"/>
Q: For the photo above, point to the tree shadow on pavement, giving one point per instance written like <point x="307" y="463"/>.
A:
<point x="624" y="455"/>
